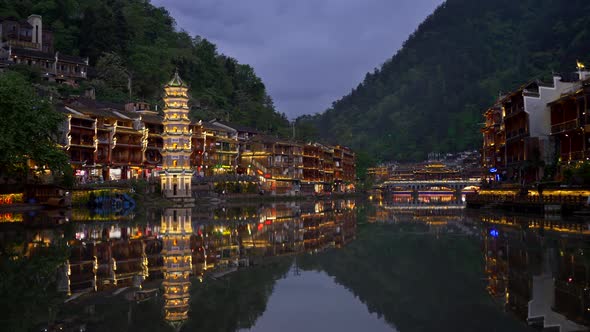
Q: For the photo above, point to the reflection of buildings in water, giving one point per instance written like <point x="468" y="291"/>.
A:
<point x="280" y="229"/>
<point x="176" y="230"/>
<point x="543" y="276"/>
<point x="108" y="256"/>
<point x="439" y="218"/>
<point x="442" y="197"/>
<point x="214" y="246"/>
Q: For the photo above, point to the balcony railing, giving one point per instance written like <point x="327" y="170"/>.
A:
<point x="22" y="43"/>
<point x="514" y="159"/>
<point x="514" y="111"/>
<point x="565" y="126"/>
<point x="575" y="155"/>
<point x="515" y="134"/>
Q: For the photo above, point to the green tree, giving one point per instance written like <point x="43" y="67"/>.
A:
<point x="28" y="130"/>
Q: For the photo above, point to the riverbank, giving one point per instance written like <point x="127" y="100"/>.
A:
<point x="154" y="200"/>
<point x="566" y="201"/>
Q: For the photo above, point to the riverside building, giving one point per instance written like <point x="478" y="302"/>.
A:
<point x="520" y="130"/>
<point x="109" y="142"/>
<point x="570" y="122"/>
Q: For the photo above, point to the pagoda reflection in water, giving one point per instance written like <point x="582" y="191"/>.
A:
<point x="176" y="229"/>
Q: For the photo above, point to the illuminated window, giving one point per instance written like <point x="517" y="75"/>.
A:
<point x="175" y="163"/>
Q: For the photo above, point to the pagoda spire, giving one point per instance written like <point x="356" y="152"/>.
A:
<point x="176" y="81"/>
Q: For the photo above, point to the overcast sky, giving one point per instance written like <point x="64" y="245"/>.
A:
<point x="308" y="53"/>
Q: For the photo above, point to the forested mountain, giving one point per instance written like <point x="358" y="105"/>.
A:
<point x="132" y="39"/>
<point x="431" y="94"/>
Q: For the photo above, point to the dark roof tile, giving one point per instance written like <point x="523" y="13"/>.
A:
<point x="72" y="59"/>
<point x="32" y="53"/>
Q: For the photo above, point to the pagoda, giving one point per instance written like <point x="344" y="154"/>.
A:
<point x="176" y="178"/>
<point x="176" y="230"/>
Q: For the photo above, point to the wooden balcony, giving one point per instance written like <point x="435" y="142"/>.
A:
<point x="512" y="160"/>
<point x="575" y="155"/>
<point x="564" y="126"/>
<point x="516" y="134"/>
<point x="510" y="112"/>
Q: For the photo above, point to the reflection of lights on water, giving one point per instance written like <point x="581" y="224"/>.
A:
<point x="463" y="198"/>
<point x="494" y="233"/>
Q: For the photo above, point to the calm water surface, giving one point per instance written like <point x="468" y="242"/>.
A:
<point x="312" y="266"/>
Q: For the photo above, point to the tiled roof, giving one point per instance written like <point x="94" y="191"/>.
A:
<point x="71" y="59"/>
<point x="152" y="118"/>
<point x="25" y="23"/>
<point x="266" y="139"/>
<point x="47" y="56"/>
<point x="32" y="53"/>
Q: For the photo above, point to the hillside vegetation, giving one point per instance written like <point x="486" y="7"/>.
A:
<point x="134" y="41"/>
<point x="429" y="97"/>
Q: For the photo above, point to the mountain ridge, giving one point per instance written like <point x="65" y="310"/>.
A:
<point x="430" y="95"/>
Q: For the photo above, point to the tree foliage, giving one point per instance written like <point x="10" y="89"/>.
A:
<point x="28" y="128"/>
<point x="28" y="290"/>
<point x="429" y="97"/>
<point x="140" y="40"/>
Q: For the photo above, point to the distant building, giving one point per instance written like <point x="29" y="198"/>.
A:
<point x="344" y="169"/>
<point x="494" y="139"/>
<point x="279" y="163"/>
<point x="243" y="135"/>
<point x="311" y="169"/>
<point x="381" y="173"/>
<point x="26" y="42"/>
<point x="436" y="171"/>
<point x="222" y="148"/>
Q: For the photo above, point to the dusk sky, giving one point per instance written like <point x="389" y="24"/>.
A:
<point x="308" y="53"/>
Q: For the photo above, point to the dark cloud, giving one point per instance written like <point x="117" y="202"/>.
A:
<point x="308" y="52"/>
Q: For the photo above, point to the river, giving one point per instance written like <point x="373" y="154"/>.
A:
<point x="340" y="265"/>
